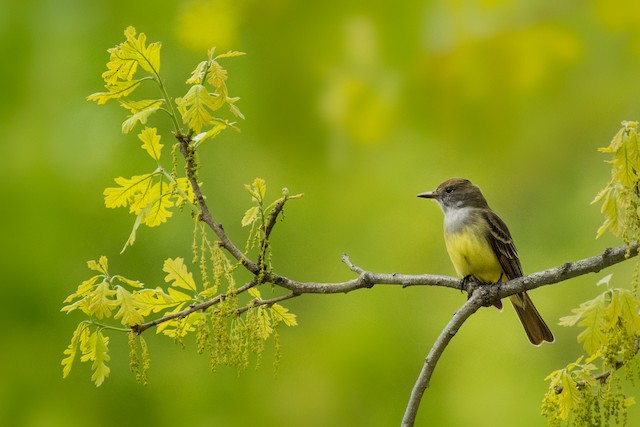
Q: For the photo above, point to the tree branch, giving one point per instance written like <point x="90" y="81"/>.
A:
<point x="205" y="214"/>
<point x="422" y="383"/>
<point x="569" y="270"/>
<point x="478" y="295"/>
<point x="268" y="228"/>
<point x="367" y="279"/>
<point x="485" y="295"/>
<point x="138" y="329"/>
<point x="267" y="302"/>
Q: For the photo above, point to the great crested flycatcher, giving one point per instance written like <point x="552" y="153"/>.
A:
<point x="481" y="248"/>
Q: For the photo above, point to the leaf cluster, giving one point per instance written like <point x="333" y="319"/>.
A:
<point x="259" y="218"/>
<point x="199" y="103"/>
<point x="149" y="196"/>
<point x="231" y="322"/>
<point x="590" y="393"/>
<point x="125" y="60"/>
<point x="621" y="197"/>
<point x="229" y="337"/>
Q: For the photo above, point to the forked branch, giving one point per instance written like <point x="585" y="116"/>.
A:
<point x="485" y="295"/>
<point x="478" y="295"/>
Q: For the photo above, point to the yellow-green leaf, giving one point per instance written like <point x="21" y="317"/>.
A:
<point x="101" y="302"/>
<point x="554" y="378"/>
<point x="218" y="127"/>
<point x="102" y="265"/>
<point x="233" y="108"/>
<point x="250" y="216"/>
<point x="196" y="107"/>
<point x="593" y="318"/>
<point x="148" y="57"/>
<point x="261" y="187"/>
<point x="157" y="211"/>
<point x="257" y="189"/>
<point x="230" y="54"/>
<point x="99" y="345"/>
<point x="216" y="76"/>
<point x="79" y="335"/>
<point x="177" y="274"/>
<point x="612" y="208"/>
<point x="150" y="201"/>
<point x="626" y="159"/>
<point x="153" y="301"/>
<point x="615" y="143"/>
<point x="83" y="290"/>
<point x="151" y="142"/>
<point x="572" y="319"/>
<point x="136" y="106"/>
<point x="628" y="306"/>
<point x="132" y="236"/>
<point x="284" y="314"/>
<point x="209" y="292"/>
<point x="264" y="323"/>
<point x="178" y="328"/>
<point x="197" y="74"/>
<point x="128" y="308"/>
<point x="178" y="297"/>
<point x="254" y="292"/>
<point x="115" y="91"/>
<point x="123" y="63"/>
<point x="569" y="399"/>
<point x="119" y="67"/>
<point x="129" y="282"/>
<point x="140" y="112"/>
<point x="129" y="191"/>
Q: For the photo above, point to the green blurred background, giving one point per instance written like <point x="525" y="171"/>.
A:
<point x="360" y="105"/>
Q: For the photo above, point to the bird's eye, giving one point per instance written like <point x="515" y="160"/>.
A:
<point x="448" y="190"/>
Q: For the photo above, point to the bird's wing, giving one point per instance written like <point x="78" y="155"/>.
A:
<point x="500" y="240"/>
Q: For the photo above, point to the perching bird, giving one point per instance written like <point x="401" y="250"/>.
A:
<point x="481" y="248"/>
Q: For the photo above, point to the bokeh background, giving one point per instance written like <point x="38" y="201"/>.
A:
<point x="360" y="105"/>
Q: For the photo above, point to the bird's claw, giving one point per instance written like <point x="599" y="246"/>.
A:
<point x="465" y="283"/>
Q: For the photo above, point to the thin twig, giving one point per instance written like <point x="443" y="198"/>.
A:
<point x="266" y="302"/>
<point x="273" y="217"/>
<point x="138" y="329"/>
<point x="268" y="228"/>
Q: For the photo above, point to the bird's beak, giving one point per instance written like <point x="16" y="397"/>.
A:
<point x="428" y="195"/>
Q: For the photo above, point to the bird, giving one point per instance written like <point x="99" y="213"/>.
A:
<point x="481" y="248"/>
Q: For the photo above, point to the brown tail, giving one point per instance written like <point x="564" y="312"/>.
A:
<point x="537" y="331"/>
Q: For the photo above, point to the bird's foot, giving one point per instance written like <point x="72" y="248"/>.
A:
<point x="467" y="284"/>
<point x="489" y="291"/>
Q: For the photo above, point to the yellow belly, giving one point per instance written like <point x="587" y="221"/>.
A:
<point x="471" y="254"/>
